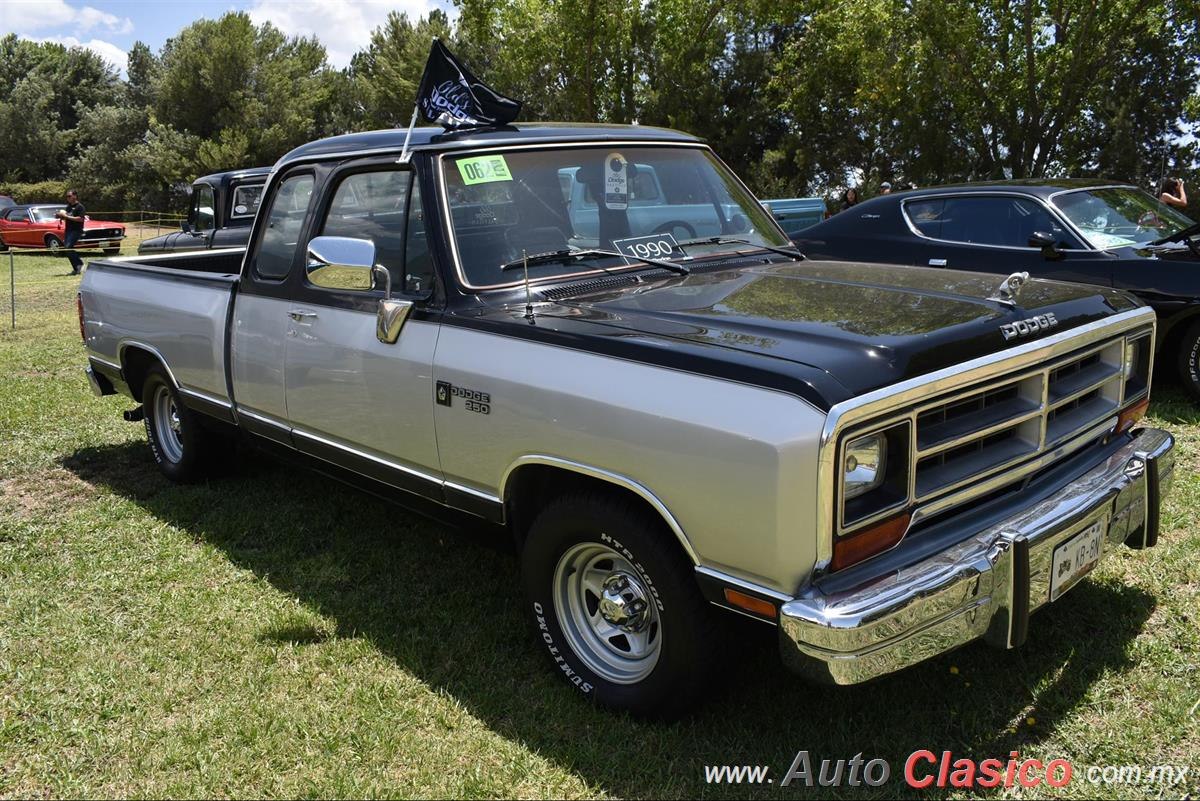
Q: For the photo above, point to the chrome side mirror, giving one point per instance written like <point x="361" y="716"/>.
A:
<point x="339" y="262"/>
<point x="392" y="314"/>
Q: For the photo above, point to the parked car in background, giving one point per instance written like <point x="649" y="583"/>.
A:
<point x="6" y="202"/>
<point x="220" y="215"/>
<point x="1113" y="235"/>
<point x="35" y="226"/>
<point x="882" y="463"/>
<point x="796" y="214"/>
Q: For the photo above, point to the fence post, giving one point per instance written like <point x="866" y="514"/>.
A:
<point x="12" y="288"/>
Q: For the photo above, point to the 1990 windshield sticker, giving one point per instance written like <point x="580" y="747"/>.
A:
<point x="652" y="246"/>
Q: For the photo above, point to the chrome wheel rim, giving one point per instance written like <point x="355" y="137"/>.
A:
<point x="607" y="613"/>
<point x="167" y="425"/>
<point x="53" y="244"/>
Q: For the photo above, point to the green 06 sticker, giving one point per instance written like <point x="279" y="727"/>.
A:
<point x="483" y="169"/>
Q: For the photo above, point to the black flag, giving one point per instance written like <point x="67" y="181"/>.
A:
<point x="454" y="98"/>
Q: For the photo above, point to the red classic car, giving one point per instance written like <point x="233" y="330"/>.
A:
<point x="35" y="226"/>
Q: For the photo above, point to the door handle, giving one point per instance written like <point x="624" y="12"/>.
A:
<point x="937" y="262"/>
<point x="298" y="314"/>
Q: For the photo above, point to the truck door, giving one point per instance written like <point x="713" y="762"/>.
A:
<point x="261" y="324"/>
<point x="353" y="400"/>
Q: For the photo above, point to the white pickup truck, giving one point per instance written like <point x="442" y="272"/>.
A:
<point x="884" y="463"/>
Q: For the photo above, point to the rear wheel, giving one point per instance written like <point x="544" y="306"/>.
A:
<point x="616" y="605"/>
<point x="184" y="450"/>
<point x="1189" y="360"/>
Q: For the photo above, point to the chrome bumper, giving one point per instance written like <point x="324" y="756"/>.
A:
<point x="982" y="588"/>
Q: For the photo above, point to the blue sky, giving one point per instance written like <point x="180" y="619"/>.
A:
<point x="110" y="27"/>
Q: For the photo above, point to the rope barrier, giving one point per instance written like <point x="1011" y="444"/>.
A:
<point x="145" y="220"/>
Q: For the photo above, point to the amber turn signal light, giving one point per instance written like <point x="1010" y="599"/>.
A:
<point x="748" y="603"/>
<point x="864" y="544"/>
<point x="1129" y="417"/>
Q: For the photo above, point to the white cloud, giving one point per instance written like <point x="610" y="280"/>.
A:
<point x="343" y="27"/>
<point x="106" y="50"/>
<point x="29" y="16"/>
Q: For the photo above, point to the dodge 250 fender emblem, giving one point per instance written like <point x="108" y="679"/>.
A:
<point x="1023" y="328"/>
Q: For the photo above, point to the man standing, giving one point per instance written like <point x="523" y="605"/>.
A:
<point x="73" y="216"/>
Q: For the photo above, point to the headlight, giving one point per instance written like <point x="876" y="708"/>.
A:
<point x="1131" y="358"/>
<point x="864" y="466"/>
<point x="1135" y="368"/>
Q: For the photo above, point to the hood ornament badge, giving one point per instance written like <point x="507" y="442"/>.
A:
<point x="1010" y="289"/>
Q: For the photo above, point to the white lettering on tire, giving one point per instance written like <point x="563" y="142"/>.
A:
<point x="544" y="629"/>
<point x="637" y="566"/>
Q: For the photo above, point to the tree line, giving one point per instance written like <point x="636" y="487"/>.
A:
<point x="800" y="97"/>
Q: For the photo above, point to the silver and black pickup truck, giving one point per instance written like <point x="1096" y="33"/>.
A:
<point x="672" y="411"/>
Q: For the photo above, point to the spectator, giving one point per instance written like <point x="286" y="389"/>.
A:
<point x="849" y="198"/>
<point x="73" y="216"/>
<point x="885" y="188"/>
<point x="1172" y="193"/>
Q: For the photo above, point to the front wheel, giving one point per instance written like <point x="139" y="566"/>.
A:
<point x="1189" y="360"/>
<point x="53" y="242"/>
<point x="112" y="251"/>
<point x="184" y="450"/>
<point x="616" y="605"/>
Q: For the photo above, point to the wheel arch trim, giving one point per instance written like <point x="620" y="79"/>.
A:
<point x="607" y="476"/>
<point x="126" y="344"/>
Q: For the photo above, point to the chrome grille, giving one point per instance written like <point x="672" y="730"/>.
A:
<point x="978" y="433"/>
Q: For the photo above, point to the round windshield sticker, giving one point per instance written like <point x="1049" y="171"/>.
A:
<point x="239" y="209"/>
<point x="616" y="182"/>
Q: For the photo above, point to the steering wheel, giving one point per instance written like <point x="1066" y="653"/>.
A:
<point x="670" y="227"/>
<point x="1149" y="220"/>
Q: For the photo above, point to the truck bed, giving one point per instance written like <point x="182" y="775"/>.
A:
<point x="175" y="306"/>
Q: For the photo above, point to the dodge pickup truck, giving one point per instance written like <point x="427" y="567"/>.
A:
<point x="884" y="463"/>
<point x="220" y="214"/>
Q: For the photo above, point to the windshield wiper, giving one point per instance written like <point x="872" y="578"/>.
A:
<point x="553" y="256"/>
<point x="726" y="240"/>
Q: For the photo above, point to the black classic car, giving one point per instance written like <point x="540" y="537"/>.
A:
<point x="220" y="215"/>
<point x="1068" y="230"/>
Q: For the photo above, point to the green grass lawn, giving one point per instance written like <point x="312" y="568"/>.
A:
<point x="273" y="634"/>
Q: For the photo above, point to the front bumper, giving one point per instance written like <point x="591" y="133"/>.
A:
<point x="985" y="587"/>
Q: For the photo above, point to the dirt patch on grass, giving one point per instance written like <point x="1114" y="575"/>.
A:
<point x="45" y="491"/>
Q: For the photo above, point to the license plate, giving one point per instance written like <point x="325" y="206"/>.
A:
<point x="1076" y="557"/>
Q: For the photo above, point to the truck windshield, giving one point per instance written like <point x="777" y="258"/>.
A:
<point x="1120" y="217"/>
<point x="508" y="203"/>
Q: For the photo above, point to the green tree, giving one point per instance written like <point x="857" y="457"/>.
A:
<point x="385" y="75"/>
<point x="249" y="92"/>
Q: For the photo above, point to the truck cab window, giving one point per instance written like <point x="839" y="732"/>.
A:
<point x="204" y="215"/>
<point x="245" y="200"/>
<point x="372" y="206"/>
<point x="284" y="221"/>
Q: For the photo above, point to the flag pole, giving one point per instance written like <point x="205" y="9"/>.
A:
<point x="404" y="154"/>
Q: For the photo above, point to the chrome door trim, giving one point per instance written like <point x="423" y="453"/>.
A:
<point x="1050" y="209"/>
<point x="411" y="471"/>
<point x="612" y="478"/>
<point x="204" y="396"/>
<point x="271" y="421"/>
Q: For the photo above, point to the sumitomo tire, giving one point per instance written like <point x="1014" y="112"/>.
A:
<point x="616" y="606"/>
<point x="1189" y="360"/>
<point x="183" y="449"/>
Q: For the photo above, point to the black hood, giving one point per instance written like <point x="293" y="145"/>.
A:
<point x="865" y="325"/>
